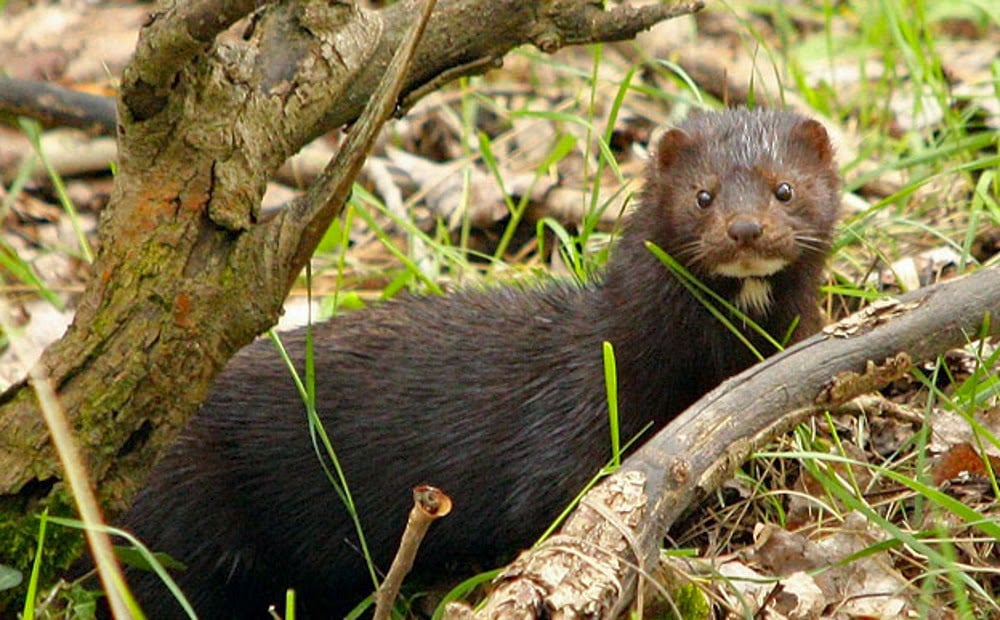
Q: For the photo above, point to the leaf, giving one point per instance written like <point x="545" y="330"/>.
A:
<point x="9" y="577"/>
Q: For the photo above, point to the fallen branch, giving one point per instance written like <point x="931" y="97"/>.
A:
<point x="590" y="569"/>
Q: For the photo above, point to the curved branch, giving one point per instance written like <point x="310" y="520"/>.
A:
<point x="174" y="37"/>
<point x="697" y="451"/>
<point x="301" y="52"/>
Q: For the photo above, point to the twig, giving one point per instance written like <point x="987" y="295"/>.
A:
<point x="429" y="504"/>
<point x="593" y="23"/>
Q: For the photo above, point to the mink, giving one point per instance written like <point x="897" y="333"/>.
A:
<point x="495" y="395"/>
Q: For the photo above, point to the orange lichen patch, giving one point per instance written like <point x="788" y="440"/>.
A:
<point x="147" y="213"/>
<point x="137" y="216"/>
<point x="182" y="311"/>
<point x="193" y="202"/>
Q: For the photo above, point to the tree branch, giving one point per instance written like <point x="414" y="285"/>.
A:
<point x="621" y="522"/>
<point x="591" y="24"/>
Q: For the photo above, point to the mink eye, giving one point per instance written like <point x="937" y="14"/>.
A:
<point x="704" y="199"/>
<point x="783" y="192"/>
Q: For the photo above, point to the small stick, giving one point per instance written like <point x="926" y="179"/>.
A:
<point x="429" y="504"/>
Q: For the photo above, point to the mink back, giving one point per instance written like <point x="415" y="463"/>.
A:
<point x="494" y="395"/>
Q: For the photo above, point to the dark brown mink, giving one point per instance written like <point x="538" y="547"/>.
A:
<point x="496" y="396"/>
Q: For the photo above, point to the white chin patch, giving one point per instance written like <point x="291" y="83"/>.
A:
<point x="750" y="267"/>
<point x="754" y="296"/>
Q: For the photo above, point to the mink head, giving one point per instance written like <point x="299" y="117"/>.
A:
<point x="741" y="194"/>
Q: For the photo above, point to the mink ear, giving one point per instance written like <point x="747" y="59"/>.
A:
<point x="671" y="145"/>
<point x="812" y="135"/>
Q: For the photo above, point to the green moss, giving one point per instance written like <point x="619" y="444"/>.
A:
<point x="692" y="602"/>
<point x="687" y="602"/>
<point x="19" y="540"/>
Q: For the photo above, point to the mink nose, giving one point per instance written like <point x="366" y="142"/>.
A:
<point x="745" y="231"/>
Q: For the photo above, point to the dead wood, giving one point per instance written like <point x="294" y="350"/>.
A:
<point x="591" y="567"/>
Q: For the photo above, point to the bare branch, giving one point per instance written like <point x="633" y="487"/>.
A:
<point x="698" y="450"/>
<point x="592" y="24"/>
<point x="429" y="505"/>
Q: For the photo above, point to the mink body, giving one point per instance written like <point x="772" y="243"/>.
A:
<point x="495" y="396"/>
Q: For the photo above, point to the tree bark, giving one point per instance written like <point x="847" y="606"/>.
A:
<point x="187" y="271"/>
<point x="589" y="568"/>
